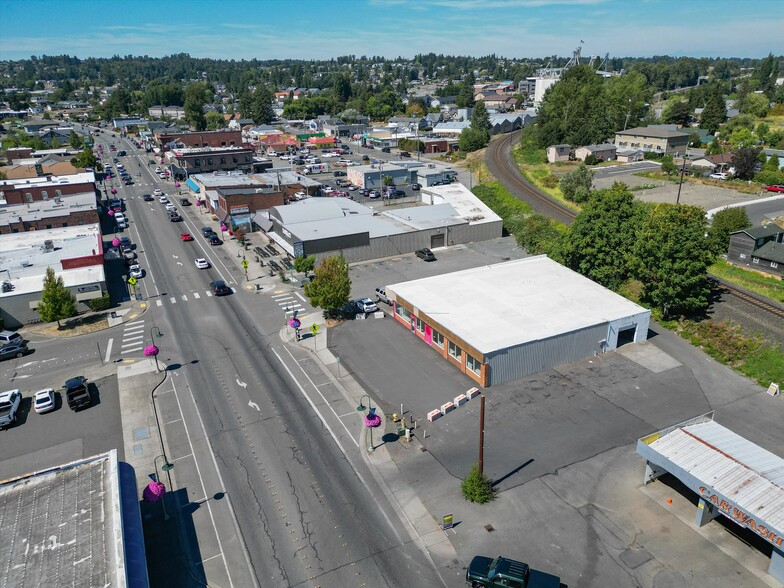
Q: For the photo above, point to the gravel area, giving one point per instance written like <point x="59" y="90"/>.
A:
<point x="693" y="193"/>
<point x="751" y="319"/>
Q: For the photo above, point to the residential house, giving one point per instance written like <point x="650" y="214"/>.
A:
<point x="629" y="154"/>
<point x="561" y="152"/>
<point x="443" y="101"/>
<point x="768" y="153"/>
<point x="653" y="140"/>
<point x="59" y="135"/>
<point x="711" y="163"/>
<point x="408" y="122"/>
<point x="759" y="248"/>
<point x="602" y="152"/>
<point x="500" y="102"/>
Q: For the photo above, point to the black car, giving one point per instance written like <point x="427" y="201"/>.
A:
<point x="405" y="154"/>
<point x="175" y="217"/>
<point x="214" y="239"/>
<point x="148" y="198"/>
<point x="13" y="350"/>
<point x="338" y="173"/>
<point x="185" y="202"/>
<point x="385" y="150"/>
<point x="219" y="288"/>
<point x="415" y="186"/>
<point x="207" y="232"/>
<point x="425" y="254"/>
<point x="125" y="242"/>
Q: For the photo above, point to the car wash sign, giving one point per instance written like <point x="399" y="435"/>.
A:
<point x="740" y="516"/>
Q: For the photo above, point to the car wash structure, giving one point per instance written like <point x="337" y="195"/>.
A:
<point x="732" y="476"/>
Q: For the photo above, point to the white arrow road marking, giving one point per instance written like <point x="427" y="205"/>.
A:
<point x="175" y="256"/>
<point x="253" y="405"/>
<point x="239" y="383"/>
<point x="179" y="263"/>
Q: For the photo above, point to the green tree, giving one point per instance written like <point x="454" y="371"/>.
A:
<point x="75" y="140"/>
<point x="670" y="258"/>
<point x="215" y="121"/>
<point x="677" y="112"/>
<point x="725" y="222"/>
<point x="715" y="112"/>
<point x="576" y="185"/>
<point x="476" y="487"/>
<point x="261" y="106"/>
<point x="599" y="242"/>
<point x="472" y="140"/>
<point x="304" y="264"/>
<point x="331" y="287"/>
<point x="742" y="138"/>
<point x="668" y="165"/>
<point x="480" y="119"/>
<point x="57" y="301"/>
<point x="745" y="160"/>
<point x="197" y="94"/>
<point x="756" y="105"/>
<point x="465" y="95"/>
<point x="47" y="115"/>
<point x="714" y="148"/>
<point x="85" y="158"/>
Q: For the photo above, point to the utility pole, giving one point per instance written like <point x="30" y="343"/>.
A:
<point x="481" y="434"/>
<point x="680" y="185"/>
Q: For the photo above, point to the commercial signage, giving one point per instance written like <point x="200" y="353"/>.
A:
<point x="299" y="249"/>
<point x="239" y="209"/>
<point x="741" y="517"/>
<point x="90" y="288"/>
<point x="448" y="521"/>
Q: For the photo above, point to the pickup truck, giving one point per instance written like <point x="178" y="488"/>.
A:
<point x="9" y="406"/>
<point x="77" y="393"/>
<point x="484" y="572"/>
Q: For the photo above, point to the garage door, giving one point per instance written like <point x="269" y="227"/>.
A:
<point x="436" y="241"/>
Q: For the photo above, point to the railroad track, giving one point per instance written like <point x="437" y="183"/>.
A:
<point x="503" y="168"/>
<point x="733" y="290"/>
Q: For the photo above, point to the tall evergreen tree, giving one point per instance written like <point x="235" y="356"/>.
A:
<point x="715" y="112"/>
<point x="57" y="301"/>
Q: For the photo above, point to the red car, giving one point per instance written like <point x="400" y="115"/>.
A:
<point x="775" y="188"/>
<point x="186" y="237"/>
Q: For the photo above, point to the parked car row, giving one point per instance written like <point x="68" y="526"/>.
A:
<point x="76" y="392"/>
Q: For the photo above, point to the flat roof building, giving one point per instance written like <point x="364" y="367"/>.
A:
<point x="81" y="526"/>
<point x="500" y="322"/>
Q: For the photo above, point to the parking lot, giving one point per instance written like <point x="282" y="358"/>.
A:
<point x="38" y="441"/>
<point x="560" y="446"/>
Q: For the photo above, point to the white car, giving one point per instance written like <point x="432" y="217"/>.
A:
<point x="365" y="305"/>
<point x="202" y="263"/>
<point x="162" y="176"/>
<point x="158" y="170"/>
<point x="170" y="207"/>
<point x="9" y="405"/>
<point x="328" y="190"/>
<point x="719" y="176"/>
<point x="163" y="199"/>
<point x="135" y="271"/>
<point x="43" y="401"/>
<point x="158" y="192"/>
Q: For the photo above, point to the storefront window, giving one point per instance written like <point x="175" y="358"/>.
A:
<point x="455" y="351"/>
<point x="403" y="313"/>
<point x="473" y="364"/>
<point x="420" y="325"/>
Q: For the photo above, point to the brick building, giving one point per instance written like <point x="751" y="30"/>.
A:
<point x="214" y="139"/>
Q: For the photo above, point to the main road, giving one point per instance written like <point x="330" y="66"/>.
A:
<point x="308" y="509"/>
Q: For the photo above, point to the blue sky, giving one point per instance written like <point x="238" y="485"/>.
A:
<point x="313" y="29"/>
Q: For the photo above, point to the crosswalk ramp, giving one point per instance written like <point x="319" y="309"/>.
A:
<point x="291" y="302"/>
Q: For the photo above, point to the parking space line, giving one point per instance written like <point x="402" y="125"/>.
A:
<point x="347" y="414"/>
<point x="182" y="456"/>
<point x="108" y="350"/>
<point x="209" y="558"/>
<point x="172" y="422"/>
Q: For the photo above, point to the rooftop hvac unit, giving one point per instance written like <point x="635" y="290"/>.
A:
<point x="48" y="245"/>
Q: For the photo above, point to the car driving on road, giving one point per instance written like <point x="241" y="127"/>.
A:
<point x="219" y="288"/>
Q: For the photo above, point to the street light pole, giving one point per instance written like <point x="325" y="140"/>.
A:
<point x="481" y="434"/>
<point x="361" y="408"/>
<point x="166" y="467"/>
<point x="680" y="184"/>
<point x="152" y="339"/>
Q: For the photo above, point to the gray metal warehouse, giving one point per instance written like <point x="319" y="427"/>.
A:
<point x="732" y="477"/>
<point x="446" y="215"/>
<point x="500" y="322"/>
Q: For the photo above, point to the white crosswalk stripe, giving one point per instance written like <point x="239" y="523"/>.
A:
<point x="185" y="298"/>
<point x="173" y="300"/>
<point x="196" y="295"/>
<point x="158" y="302"/>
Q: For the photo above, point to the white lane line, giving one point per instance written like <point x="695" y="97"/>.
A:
<point x="108" y="350"/>
<point x="173" y="300"/>
<point x="300" y="296"/>
<point x="201" y="480"/>
<point x="158" y="302"/>
<point x="196" y="295"/>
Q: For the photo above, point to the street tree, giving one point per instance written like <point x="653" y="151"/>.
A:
<point x="331" y="286"/>
<point x="576" y="185"/>
<point x="57" y="301"/>
<point x="75" y="140"/>
<point x="476" y="487"/>
<point x="304" y="264"/>
<point x="670" y="257"/>
<point x="725" y="222"/>
<point x="599" y="242"/>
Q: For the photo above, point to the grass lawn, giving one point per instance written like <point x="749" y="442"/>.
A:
<point x="769" y="287"/>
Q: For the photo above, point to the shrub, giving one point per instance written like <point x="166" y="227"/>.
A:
<point x="550" y="181"/>
<point x="477" y="487"/>
<point x="102" y="303"/>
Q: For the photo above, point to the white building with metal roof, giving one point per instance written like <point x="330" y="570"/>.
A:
<point x="500" y="322"/>
<point x="732" y="477"/>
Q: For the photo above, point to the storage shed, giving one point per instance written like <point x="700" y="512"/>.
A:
<point x="501" y="322"/>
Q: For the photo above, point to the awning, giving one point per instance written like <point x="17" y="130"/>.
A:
<point x="192" y="185"/>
